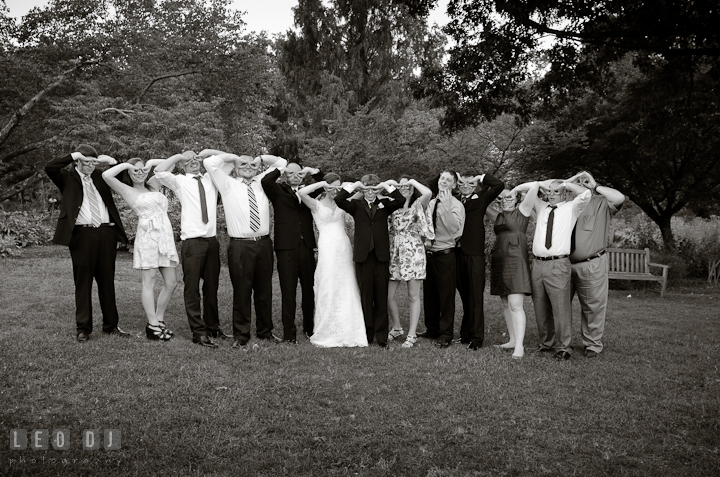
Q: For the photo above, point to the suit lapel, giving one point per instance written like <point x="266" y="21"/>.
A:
<point x="366" y="207"/>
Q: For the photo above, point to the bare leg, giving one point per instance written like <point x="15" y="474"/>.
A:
<point x="509" y="321"/>
<point x="515" y="302"/>
<point x="148" y="294"/>
<point x="393" y="310"/>
<point x="170" y="278"/>
<point x="414" y="297"/>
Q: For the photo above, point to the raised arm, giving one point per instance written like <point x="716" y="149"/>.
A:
<point x="425" y="192"/>
<point x="306" y="194"/>
<point x="127" y="192"/>
<point x="613" y="196"/>
<point x="494" y="187"/>
<point x="215" y="167"/>
<point x="527" y="204"/>
<point x="347" y="190"/>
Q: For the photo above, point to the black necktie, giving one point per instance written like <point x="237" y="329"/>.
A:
<point x="203" y="203"/>
<point x="548" y="233"/>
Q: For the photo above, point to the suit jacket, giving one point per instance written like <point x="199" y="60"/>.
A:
<point x="70" y="185"/>
<point x="292" y="218"/>
<point x="472" y="241"/>
<point x="367" y="224"/>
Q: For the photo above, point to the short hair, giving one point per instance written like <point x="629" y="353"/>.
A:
<point x="467" y="174"/>
<point x="370" y="180"/>
<point x="87" y="151"/>
<point x="331" y="177"/>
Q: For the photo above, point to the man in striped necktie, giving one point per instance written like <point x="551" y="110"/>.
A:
<point x="89" y="224"/>
<point x="250" y="254"/>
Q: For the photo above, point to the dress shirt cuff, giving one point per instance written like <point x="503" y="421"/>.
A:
<point x="348" y="188"/>
<point x="391" y="189"/>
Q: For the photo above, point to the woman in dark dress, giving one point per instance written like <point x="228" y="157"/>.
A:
<point x="510" y="266"/>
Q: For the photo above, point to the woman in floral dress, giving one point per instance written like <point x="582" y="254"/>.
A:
<point x="409" y="228"/>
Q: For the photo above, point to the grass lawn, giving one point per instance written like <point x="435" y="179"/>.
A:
<point x="649" y="405"/>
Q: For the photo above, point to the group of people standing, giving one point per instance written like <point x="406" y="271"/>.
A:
<point x="405" y="231"/>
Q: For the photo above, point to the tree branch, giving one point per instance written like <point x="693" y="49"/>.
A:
<point x="20" y="113"/>
<point x="34" y="178"/>
<point x="162" y="77"/>
<point x="30" y="147"/>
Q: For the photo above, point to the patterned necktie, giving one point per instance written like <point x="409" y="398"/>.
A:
<point x="464" y="199"/>
<point x="254" y="211"/>
<point x="548" y="233"/>
<point x="92" y="200"/>
<point x="203" y="202"/>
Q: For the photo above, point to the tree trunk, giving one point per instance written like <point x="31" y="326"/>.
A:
<point x="36" y="177"/>
<point x="666" y="232"/>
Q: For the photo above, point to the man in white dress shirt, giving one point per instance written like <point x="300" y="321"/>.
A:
<point x="250" y="254"/>
<point x="200" y="250"/>
<point x="551" y="270"/>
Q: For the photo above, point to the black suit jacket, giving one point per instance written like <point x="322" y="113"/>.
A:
<point x="472" y="241"/>
<point x="70" y="185"/>
<point x="366" y="224"/>
<point x="292" y="218"/>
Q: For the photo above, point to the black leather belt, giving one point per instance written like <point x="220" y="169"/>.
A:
<point x="440" y="252"/>
<point x="599" y="254"/>
<point x="250" y="239"/>
<point x="91" y="226"/>
<point x="554" y="257"/>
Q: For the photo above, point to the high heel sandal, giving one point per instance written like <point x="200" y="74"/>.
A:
<point x="156" y="333"/>
<point x="395" y="334"/>
<point x="161" y="324"/>
<point x="409" y="341"/>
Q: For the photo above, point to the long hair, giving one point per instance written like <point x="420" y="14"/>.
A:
<point x="415" y="195"/>
<point x="125" y="175"/>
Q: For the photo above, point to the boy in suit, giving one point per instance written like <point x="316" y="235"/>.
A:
<point x="372" y="248"/>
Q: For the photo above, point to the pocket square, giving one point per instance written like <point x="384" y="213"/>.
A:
<point x="381" y="205"/>
<point x="474" y="196"/>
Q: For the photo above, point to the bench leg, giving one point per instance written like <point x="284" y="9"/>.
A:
<point x="663" y="286"/>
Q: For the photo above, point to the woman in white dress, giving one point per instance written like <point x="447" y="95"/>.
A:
<point x="154" y="241"/>
<point x="339" y="317"/>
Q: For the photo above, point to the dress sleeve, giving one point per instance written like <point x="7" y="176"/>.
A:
<point x="424" y="225"/>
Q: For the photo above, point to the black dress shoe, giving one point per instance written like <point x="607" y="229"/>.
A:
<point x="237" y="344"/>
<point x="205" y="341"/>
<point x="82" y="337"/>
<point x="293" y="341"/>
<point x="427" y="334"/>
<point x="308" y="335"/>
<point x="218" y="334"/>
<point x="473" y="347"/>
<point x="540" y="349"/>
<point x="562" y="356"/>
<point x="590" y="353"/>
<point x="442" y="344"/>
<point x="118" y="332"/>
<point x="272" y="337"/>
<point x="383" y="345"/>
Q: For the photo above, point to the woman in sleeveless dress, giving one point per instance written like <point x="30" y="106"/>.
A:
<point x="339" y="320"/>
<point x="409" y="228"/>
<point x="154" y="241"/>
<point x="509" y="264"/>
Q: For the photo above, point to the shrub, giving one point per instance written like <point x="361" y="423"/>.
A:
<point x="20" y="229"/>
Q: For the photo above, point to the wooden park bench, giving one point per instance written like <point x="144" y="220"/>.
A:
<point x="631" y="264"/>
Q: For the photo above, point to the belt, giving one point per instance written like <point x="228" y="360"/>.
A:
<point x="91" y="226"/>
<point x="199" y="238"/>
<point x="554" y="257"/>
<point x="250" y="239"/>
<point x="599" y="254"/>
<point x="441" y="252"/>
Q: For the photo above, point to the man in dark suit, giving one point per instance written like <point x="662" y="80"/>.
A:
<point x="372" y="248"/>
<point x="294" y="244"/>
<point x="89" y="224"/>
<point x="470" y="254"/>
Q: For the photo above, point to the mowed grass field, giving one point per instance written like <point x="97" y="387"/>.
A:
<point x="649" y="405"/>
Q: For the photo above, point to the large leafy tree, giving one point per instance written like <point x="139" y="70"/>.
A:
<point x="627" y="89"/>
<point x="135" y="78"/>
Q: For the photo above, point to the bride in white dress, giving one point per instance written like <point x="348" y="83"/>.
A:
<point x="339" y="317"/>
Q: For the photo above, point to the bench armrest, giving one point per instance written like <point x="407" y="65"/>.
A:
<point x="659" y="265"/>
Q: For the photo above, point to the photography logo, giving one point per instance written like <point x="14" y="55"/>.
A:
<point x="59" y="439"/>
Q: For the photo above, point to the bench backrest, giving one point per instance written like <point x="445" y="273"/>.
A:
<point x="625" y="260"/>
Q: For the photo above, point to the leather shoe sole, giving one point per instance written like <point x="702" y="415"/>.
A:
<point x="205" y="341"/>
<point x="239" y="345"/>
<point x="118" y="332"/>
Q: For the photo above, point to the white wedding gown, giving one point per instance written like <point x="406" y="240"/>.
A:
<point x="339" y="318"/>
